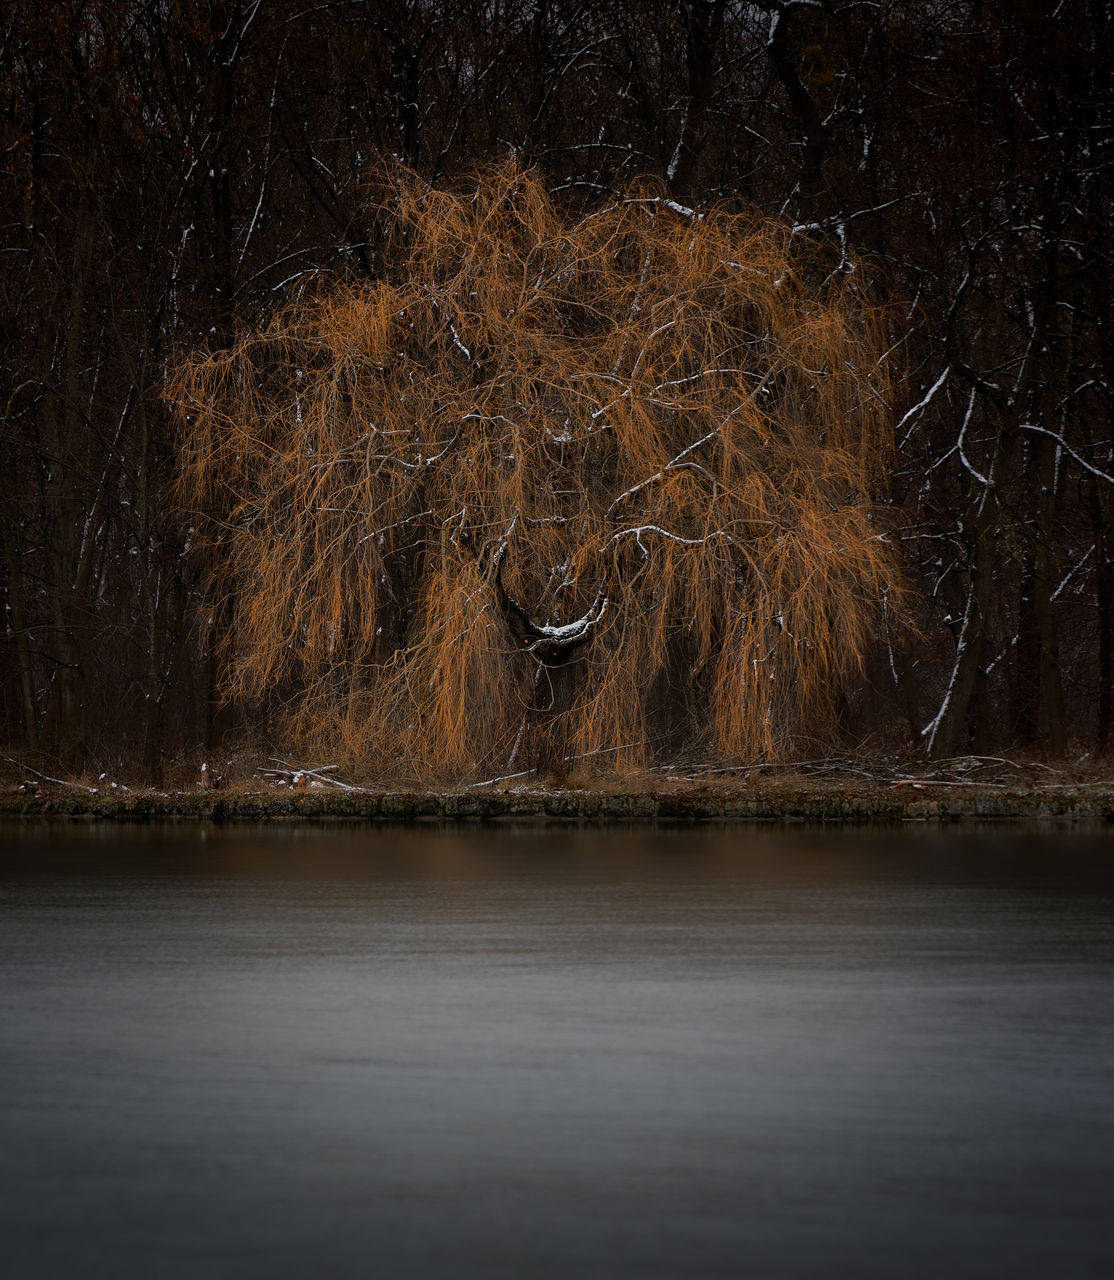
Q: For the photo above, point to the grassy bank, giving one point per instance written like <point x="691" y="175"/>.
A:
<point x="254" y="788"/>
<point x="770" y="804"/>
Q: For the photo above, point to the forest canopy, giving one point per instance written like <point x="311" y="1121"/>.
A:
<point x="555" y="487"/>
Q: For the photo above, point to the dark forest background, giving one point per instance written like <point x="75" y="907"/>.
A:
<point x="170" y="172"/>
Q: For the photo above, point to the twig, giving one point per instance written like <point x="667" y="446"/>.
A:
<point x="505" y="778"/>
<point x="61" y="782"/>
<point x="943" y="782"/>
<point x="318" y="774"/>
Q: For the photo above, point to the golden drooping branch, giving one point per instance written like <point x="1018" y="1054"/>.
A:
<point x="666" y="427"/>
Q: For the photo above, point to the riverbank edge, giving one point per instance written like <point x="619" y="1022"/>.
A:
<point x="885" y="804"/>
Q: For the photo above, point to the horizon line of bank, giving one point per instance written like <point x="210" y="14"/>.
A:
<point x="570" y="806"/>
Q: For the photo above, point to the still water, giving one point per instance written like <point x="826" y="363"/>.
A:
<point x="246" y="1052"/>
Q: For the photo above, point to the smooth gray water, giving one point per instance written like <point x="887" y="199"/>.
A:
<point x="372" y="1052"/>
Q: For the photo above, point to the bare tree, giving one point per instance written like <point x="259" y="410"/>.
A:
<point x="640" y="448"/>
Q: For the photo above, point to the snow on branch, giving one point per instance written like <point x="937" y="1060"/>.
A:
<point x="913" y="415"/>
<point x="1044" y="431"/>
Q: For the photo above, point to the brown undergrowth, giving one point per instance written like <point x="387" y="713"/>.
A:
<point x="680" y="414"/>
<point x="870" y="785"/>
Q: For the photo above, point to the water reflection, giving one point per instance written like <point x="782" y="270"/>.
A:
<point x="735" y="1051"/>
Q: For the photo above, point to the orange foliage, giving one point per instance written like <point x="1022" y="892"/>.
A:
<point x="678" y="406"/>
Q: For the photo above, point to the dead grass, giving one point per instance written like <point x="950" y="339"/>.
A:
<point x="871" y="776"/>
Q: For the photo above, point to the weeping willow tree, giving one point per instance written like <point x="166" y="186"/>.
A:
<point x="595" y="487"/>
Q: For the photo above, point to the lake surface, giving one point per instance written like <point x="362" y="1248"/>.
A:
<point x="755" y="1052"/>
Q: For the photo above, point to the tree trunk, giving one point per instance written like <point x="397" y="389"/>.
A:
<point x="1039" y="695"/>
<point x="554" y="691"/>
<point x="29" y="713"/>
<point x="1100" y="505"/>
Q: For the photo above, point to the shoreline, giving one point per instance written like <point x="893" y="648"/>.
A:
<point x="816" y="803"/>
